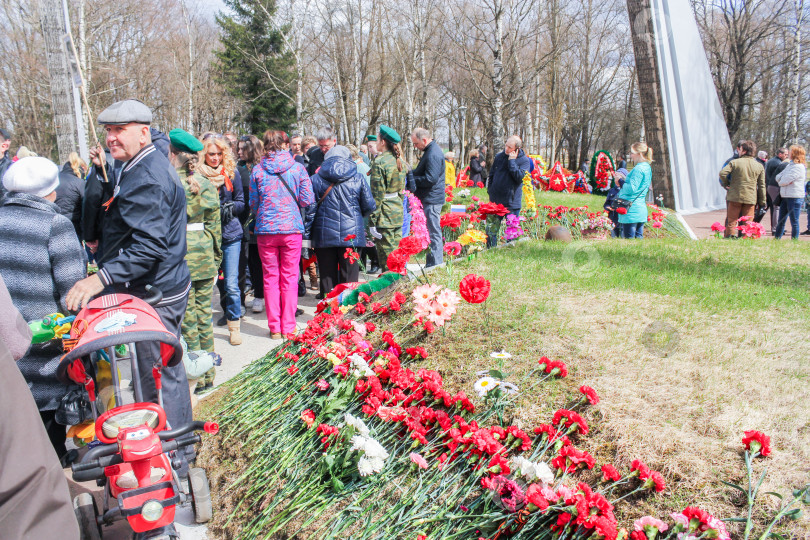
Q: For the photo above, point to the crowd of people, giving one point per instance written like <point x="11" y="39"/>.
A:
<point x="757" y="186"/>
<point x="184" y="214"/>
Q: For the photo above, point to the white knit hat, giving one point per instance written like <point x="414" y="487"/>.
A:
<point x="33" y="175"/>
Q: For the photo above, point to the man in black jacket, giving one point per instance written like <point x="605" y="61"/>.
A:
<point x="5" y="161"/>
<point x="326" y="140"/>
<point x="774" y="166"/>
<point x="426" y="181"/>
<point x="144" y="222"/>
<point x="505" y="183"/>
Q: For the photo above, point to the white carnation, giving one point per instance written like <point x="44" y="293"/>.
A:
<point x="357" y="424"/>
<point x="543" y="473"/>
<point x="373" y="449"/>
<point x="360" y="366"/>
<point x="365" y="467"/>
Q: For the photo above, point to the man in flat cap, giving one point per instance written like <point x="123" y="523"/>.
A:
<point x="144" y="222"/>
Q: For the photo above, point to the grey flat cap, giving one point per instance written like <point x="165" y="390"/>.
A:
<point x="126" y="112"/>
<point x="338" y="151"/>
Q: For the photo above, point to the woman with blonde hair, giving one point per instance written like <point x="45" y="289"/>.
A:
<point x="217" y="163"/>
<point x="203" y="253"/>
<point x="791" y="188"/>
<point x="632" y="217"/>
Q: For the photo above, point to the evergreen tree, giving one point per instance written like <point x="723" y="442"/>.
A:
<point x="254" y="67"/>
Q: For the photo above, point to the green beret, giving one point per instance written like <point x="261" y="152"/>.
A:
<point x="184" y="141"/>
<point x="371" y="138"/>
<point x="389" y="134"/>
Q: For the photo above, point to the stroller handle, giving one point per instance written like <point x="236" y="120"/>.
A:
<point x="155" y="295"/>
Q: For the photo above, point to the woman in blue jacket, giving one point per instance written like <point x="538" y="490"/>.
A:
<point x="635" y="190"/>
<point x="343" y="198"/>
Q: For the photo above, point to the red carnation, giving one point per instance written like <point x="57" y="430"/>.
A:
<point x="308" y="417"/>
<point x="397" y="261"/>
<point x="410" y="245"/>
<point x="491" y="208"/>
<point x="479" y="184"/>
<point x="756" y="441"/>
<point x="370" y="327"/>
<point x="352" y="255"/>
<point x="360" y="308"/>
<point x="640" y="468"/>
<point x="656" y="480"/>
<point x="590" y="393"/>
<point x="474" y="289"/>
<point x="693" y="512"/>
<point x="621" y="210"/>
<point x="535" y="496"/>
<point x="292" y="370"/>
<point x="349" y="237"/>
<point x="430" y="327"/>
<point x="609" y="473"/>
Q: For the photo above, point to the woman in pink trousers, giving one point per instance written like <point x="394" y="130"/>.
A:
<point x="279" y="189"/>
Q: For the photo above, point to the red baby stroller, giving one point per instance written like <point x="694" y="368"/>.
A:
<point x="136" y="454"/>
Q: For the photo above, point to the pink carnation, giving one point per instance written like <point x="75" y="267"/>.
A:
<point x="639" y="524"/>
<point x="718" y="227"/>
<point x="419" y="460"/>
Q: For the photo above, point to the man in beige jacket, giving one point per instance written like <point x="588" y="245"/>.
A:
<point x="744" y="180"/>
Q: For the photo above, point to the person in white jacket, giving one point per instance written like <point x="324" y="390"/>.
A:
<point x="791" y="188"/>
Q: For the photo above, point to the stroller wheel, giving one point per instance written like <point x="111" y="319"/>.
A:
<point x="86" y="513"/>
<point x="200" y="495"/>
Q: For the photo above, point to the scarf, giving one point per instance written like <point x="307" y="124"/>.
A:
<point x="216" y="176"/>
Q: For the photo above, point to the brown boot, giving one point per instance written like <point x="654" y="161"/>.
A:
<point x="313" y="278"/>
<point x="233" y="328"/>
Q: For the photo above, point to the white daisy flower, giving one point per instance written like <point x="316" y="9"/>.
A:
<point x="500" y="354"/>
<point x="485" y="385"/>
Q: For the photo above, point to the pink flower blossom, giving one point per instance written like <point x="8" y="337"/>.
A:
<point x="322" y="385"/>
<point x="680" y="519"/>
<point x="419" y="460"/>
<point x="657" y="225"/>
<point x="639" y="524"/>
<point x="720" y="527"/>
<point x="718" y="227"/>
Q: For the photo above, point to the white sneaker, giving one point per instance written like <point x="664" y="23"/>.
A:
<point x="257" y="306"/>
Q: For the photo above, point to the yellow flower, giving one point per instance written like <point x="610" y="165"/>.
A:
<point x="528" y="195"/>
<point x="472" y="236"/>
<point x="332" y="357"/>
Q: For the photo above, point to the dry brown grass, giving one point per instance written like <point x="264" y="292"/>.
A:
<point x="682" y="412"/>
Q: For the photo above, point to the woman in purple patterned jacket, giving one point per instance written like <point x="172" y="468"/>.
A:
<point x="279" y="189"/>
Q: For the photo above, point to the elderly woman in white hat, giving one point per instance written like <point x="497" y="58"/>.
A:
<point x="40" y="260"/>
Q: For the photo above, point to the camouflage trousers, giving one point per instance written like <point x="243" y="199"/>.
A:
<point x="197" y="328"/>
<point x="388" y="243"/>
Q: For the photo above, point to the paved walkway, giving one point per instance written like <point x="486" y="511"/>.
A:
<point x="701" y="224"/>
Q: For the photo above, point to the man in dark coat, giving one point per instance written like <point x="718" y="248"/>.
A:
<point x="774" y="166"/>
<point x="144" y="227"/>
<point x="326" y="140"/>
<point x="5" y="160"/>
<point x="505" y="183"/>
<point x="426" y="181"/>
<point x="70" y="197"/>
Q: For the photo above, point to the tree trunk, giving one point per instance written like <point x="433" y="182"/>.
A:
<point x="652" y="103"/>
<point x="794" y="91"/>
<point x="497" y="82"/>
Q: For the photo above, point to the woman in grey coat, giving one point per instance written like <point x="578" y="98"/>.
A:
<point x="40" y="260"/>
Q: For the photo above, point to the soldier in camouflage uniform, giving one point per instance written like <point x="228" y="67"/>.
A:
<point x="387" y="183"/>
<point x="203" y="255"/>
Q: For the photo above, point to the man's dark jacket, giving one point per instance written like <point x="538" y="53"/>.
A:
<point x="773" y="167"/>
<point x="145" y="230"/>
<point x="5" y="163"/>
<point x="69" y="197"/>
<point x="426" y="181"/>
<point x="506" y="179"/>
<point x="315" y="160"/>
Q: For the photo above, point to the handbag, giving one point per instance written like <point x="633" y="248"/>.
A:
<point x="74" y="408"/>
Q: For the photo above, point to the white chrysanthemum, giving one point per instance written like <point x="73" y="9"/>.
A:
<point x="485" y="385"/>
<point x="357" y="424"/>
<point x="373" y="449"/>
<point x="358" y="443"/>
<point x="360" y="366"/>
<point x="365" y="467"/>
